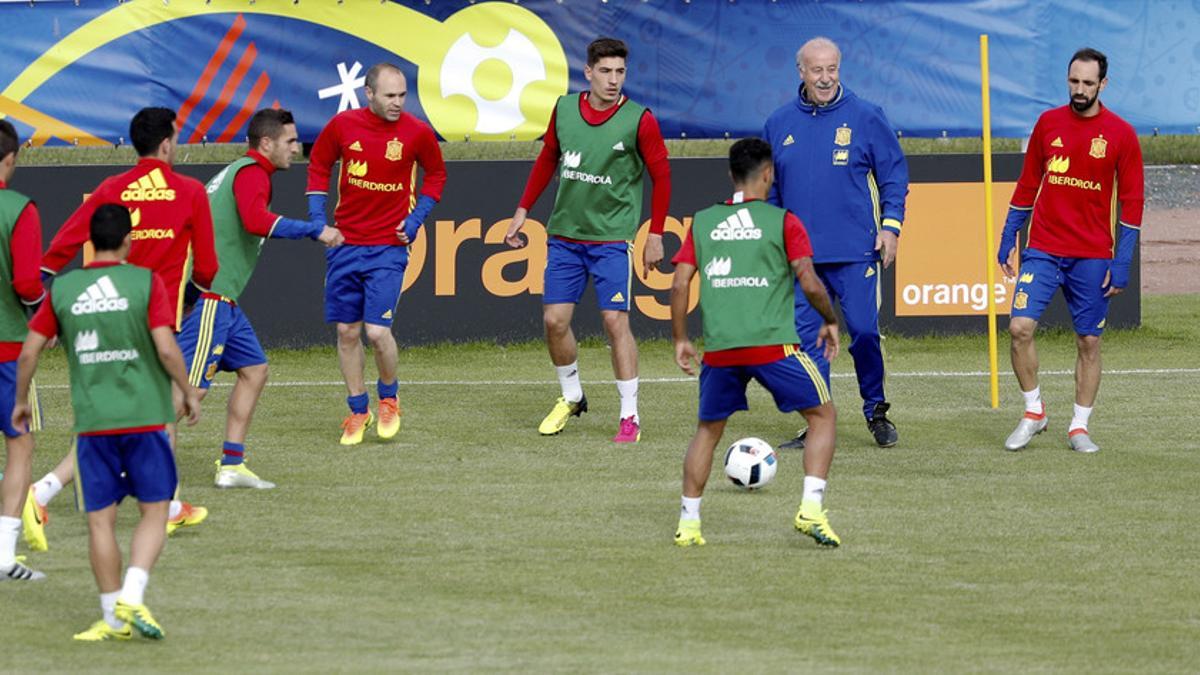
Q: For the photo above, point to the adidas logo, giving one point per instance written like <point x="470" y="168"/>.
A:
<point x="86" y="341"/>
<point x="149" y="188"/>
<point x="718" y="267"/>
<point x="387" y="315"/>
<point x="789" y="140"/>
<point x="1058" y="164"/>
<point x="356" y="168"/>
<point x="356" y="146"/>
<point x="870" y="273"/>
<point x="617" y="297"/>
<point x="620" y="146"/>
<point x="571" y="159"/>
<point x="1057" y="142"/>
<point x="737" y="227"/>
<point x="100" y="297"/>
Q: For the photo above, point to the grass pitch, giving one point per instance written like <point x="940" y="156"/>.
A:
<point x="474" y="544"/>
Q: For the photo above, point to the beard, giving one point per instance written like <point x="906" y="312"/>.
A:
<point x="1082" y="103"/>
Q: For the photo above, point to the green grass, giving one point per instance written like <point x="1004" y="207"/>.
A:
<point x="473" y="544"/>
<point x="1178" y="149"/>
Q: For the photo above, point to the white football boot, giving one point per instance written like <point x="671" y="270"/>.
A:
<point x="1027" y="428"/>
<point x="1080" y="441"/>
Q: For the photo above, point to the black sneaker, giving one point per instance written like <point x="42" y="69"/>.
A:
<point x="796" y="443"/>
<point x="881" y="427"/>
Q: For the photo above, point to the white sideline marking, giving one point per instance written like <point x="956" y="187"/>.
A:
<point x="669" y="380"/>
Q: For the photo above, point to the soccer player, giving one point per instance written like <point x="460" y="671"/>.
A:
<point x="117" y="324"/>
<point x="1080" y="157"/>
<point x="379" y="213"/>
<point x="172" y="228"/>
<point x="841" y="170"/>
<point x="752" y="254"/>
<point x="20" y="289"/>
<point x="217" y="335"/>
<point x="604" y="141"/>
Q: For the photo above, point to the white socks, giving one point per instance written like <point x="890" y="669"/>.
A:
<point x="568" y="379"/>
<point x="690" y="510"/>
<point x="628" y="389"/>
<point x="108" y="605"/>
<point x="1033" y="401"/>
<point x="174" y="509"/>
<point x="814" y="490"/>
<point x="1080" y="420"/>
<point x="45" y="489"/>
<point x="10" y="529"/>
<point x="134" y="590"/>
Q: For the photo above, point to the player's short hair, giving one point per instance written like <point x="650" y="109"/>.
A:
<point x="1089" y="54"/>
<point x="373" y="74"/>
<point x="9" y="143"/>
<point x="110" y="224"/>
<point x="149" y="128"/>
<point x="819" y="41"/>
<point x="603" y="48"/>
<point x="268" y="123"/>
<point x="747" y="157"/>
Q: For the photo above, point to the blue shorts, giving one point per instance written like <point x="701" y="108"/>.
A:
<point x="569" y="264"/>
<point x="1082" y="283"/>
<point x="362" y="283"/>
<point x="794" y="381"/>
<point x="8" y="398"/>
<point x="217" y="336"/>
<point x="109" y="468"/>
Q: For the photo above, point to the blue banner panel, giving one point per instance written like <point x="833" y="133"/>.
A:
<point x="492" y="70"/>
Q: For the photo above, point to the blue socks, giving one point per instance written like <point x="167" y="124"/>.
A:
<point x="233" y="453"/>
<point x="387" y="390"/>
<point x="358" y="404"/>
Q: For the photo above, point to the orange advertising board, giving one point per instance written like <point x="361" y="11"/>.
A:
<point x="940" y="268"/>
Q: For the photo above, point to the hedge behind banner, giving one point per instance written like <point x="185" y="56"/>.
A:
<point x="492" y="70"/>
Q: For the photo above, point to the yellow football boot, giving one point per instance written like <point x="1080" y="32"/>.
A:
<point x="101" y="631"/>
<point x="688" y="533"/>
<point x="556" y="421"/>
<point x="141" y="618"/>
<point x="33" y="520"/>
<point x="814" y="522"/>
<point x="389" y="418"/>
<point x="354" y="426"/>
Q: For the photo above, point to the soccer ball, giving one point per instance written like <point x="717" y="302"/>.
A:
<point x="750" y="463"/>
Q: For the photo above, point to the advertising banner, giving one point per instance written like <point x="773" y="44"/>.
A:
<point x="76" y="71"/>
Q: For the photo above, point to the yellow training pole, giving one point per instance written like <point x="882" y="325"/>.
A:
<point x="990" y="263"/>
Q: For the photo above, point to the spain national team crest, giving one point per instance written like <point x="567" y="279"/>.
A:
<point x="1020" y="300"/>
<point x="842" y="137"/>
<point x="1099" y="148"/>
<point x="395" y="150"/>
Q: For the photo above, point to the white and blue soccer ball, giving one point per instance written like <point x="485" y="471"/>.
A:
<point x="751" y="463"/>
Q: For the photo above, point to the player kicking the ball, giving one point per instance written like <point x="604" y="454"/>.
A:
<point x="749" y="252"/>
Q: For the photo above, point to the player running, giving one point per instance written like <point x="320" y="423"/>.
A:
<point x="1080" y="157"/>
<point x="172" y="230"/>
<point x="117" y="324"/>
<point x="20" y="289"/>
<point x="751" y="253"/>
<point x="379" y="213"/>
<point x="604" y="141"/>
<point x="217" y="335"/>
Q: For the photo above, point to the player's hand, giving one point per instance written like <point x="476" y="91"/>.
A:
<point x="189" y="406"/>
<point x="1110" y="290"/>
<point x="1009" y="266"/>
<point x="828" y="338"/>
<point x="886" y="242"/>
<point x="513" y="237"/>
<point x="685" y="356"/>
<point x="331" y="237"/>
<point x="22" y="416"/>
<point x="652" y="253"/>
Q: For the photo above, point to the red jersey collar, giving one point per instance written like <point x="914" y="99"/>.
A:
<point x="261" y="160"/>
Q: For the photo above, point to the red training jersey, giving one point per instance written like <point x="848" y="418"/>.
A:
<point x="377" y="181"/>
<point x="650" y="146"/>
<point x="172" y="227"/>
<point x="252" y="192"/>
<point x="1075" y="167"/>
<point x="797" y="245"/>
<point x="25" y="249"/>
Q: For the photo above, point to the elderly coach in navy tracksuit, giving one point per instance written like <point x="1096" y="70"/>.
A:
<point x="839" y="167"/>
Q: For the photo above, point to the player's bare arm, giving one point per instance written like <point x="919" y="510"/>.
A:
<point x="887" y="243"/>
<point x="513" y="236"/>
<point x="685" y="351"/>
<point x="817" y="296"/>
<point x="652" y="253"/>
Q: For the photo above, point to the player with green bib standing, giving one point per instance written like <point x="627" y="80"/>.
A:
<point x="601" y="143"/>
<point x="752" y="254"/>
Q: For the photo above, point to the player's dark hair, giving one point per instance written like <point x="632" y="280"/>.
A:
<point x="602" y="48"/>
<point x="268" y="123"/>
<point x="373" y="73"/>
<point x="149" y="128"/>
<point x="9" y="143"/>
<point x="110" y="224"/>
<point x="1089" y="54"/>
<point x="747" y="157"/>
